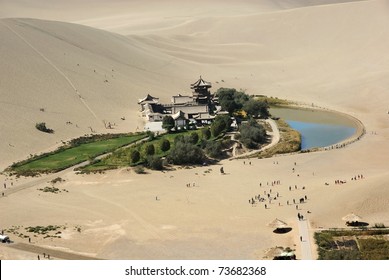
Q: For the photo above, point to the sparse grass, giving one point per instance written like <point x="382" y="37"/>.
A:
<point x="272" y="101"/>
<point x="290" y="141"/>
<point x="359" y="244"/>
<point x="52" y="190"/>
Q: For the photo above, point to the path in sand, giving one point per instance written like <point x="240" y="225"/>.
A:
<point x="275" y="138"/>
<point x="305" y="243"/>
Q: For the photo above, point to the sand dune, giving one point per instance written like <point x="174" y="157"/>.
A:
<point x="330" y="53"/>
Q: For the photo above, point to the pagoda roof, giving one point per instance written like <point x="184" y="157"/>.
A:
<point x="179" y="115"/>
<point x="201" y="83"/>
<point x="148" y="98"/>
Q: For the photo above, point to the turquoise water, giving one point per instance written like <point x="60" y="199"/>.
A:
<point x="321" y="135"/>
<point x="317" y="128"/>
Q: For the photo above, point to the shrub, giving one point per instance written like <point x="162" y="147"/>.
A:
<point x="168" y="123"/>
<point x="252" y="134"/>
<point x="206" y="133"/>
<point x="150" y="150"/>
<point x="220" y="124"/>
<point x="165" y="145"/>
<point x="194" y="138"/>
<point x="139" y="170"/>
<point x="42" y="127"/>
<point x="214" y="149"/>
<point x="186" y="153"/>
<point x="135" y="156"/>
<point x="154" y="162"/>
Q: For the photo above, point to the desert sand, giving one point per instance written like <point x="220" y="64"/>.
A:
<point x="91" y="64"/>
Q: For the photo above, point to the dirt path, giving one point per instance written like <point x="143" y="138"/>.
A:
<point x="275" y="138"/>
<point x="54" y="254"/>
<point x="305" y="243"/>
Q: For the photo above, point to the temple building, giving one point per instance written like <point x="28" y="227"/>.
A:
<point x="196" y="109"/>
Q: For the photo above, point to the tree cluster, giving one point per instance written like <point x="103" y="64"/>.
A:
<point x="252" y="134"/>
<point x="232" y="101"/>
<point x="186" y="152"/>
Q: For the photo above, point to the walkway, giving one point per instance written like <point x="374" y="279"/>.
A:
<point x="306" y="251"/>
<point x="275" y="138"/>
<point x="51" y="252"/>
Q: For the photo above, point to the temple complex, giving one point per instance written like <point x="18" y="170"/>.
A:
<point x="197" y="109"/>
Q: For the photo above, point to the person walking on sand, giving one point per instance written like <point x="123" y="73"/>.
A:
<point x="301" y="238"/>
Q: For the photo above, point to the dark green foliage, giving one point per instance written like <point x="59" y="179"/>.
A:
<point x="179" y="138"/>
<point x="150" y="150"/>
<point x="154" y="162"/>
<point x="340" y="255"/>
<point x="135" y="156"/>
<point x="214" y="149"/>
<point x="205" y="133"/>
<point x="186" y="153"/>
<point x="151" y="135"/>
<point x="42" y="127"/>
<point x="252" y="134"/>
<point x="342" y="245"/>
<point x="220" y="124"/>
<point x="168" y="123"/>
<point x="373" y="249"/>
<point x="255" y="107"/>
<point x="230" y="99"/>
<point x="194" y="137"/>
<point x="165" y="145"/>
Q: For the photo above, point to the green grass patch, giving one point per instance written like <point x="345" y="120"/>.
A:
<point x="77" y="151"/>
<point x="358" y="244"/>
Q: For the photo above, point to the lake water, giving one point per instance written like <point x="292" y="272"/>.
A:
<point x="317" y="128"/>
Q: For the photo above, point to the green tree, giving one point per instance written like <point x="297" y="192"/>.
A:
<point x="165" y="145"/>
<point x="135" y="156"/>
<point x="194" y="138"/>
<point x="168" y="123"/>
<point x="230" y="99"/>
<point x="214" y="149"/>
<point x="255" y="107"/>
<point x="205" y="133"/>
<point x="221" y="123"/>
<point x="186" y="153"/>
<point x="252" y="134"/>
<point x="150" y="150"/>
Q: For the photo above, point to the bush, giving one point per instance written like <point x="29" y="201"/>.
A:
<point x="220" y="124"/>
<point x="252" y="134"/>
<point x="194" y="138"/>
<point x="42" y="127"/>
<point x="206" y="133"/>
<point x="255" y="107"/>
<point x="214" y="149"/>
<point x="139" y="170"/>
<point x="154" y="162"/>
<point x="186" y="153"/>
<point x="168" y="123"/>
<point x="135" y="156"/>
<point x="165" y="145"/>
<point x="150" y="150"/>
